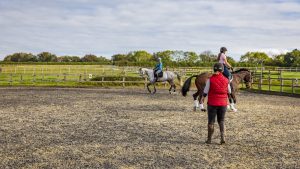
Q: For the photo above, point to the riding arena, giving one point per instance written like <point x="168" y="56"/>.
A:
<point x="130" y="128"/>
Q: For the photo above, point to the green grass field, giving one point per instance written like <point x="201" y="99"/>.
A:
<point x="83" y="75"/>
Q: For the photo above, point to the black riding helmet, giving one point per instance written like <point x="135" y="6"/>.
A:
<point x="223" y="49"/>
<point x="218" y="67"/>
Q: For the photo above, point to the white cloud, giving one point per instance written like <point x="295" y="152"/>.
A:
<point x="108" y="27"/>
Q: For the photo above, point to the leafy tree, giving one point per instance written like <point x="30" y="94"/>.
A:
<point x="278" y="60"/>
<point x="68" y="59"/>
<point x="20" y="57"/>
<point x="178" y="56"/>
<point x="119" y="57"/>
<point x="254" y="57"/>
<point x="102" y="59"/>
<point x="89" y="58"/>
<point x="47" y="57"/>
<point x="139" y="56"/>
<point x="292" y="58"/>
<point x="166" y="56"/>
<point x="231" y="60"/>
<point x="190" y="57"/>
<point x="75" y="59"/>
<point x="207" y="56"/>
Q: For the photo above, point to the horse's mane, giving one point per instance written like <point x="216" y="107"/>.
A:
<point x="242" y="69"/>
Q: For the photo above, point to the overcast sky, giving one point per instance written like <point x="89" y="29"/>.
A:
<point x="107" y="27"/>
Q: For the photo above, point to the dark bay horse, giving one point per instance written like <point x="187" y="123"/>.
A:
<point x="239" y="76"/>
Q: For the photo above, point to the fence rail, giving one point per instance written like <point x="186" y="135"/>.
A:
<point x="264" y="79"/>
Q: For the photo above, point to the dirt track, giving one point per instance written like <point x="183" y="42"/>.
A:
<point x="123" y="128"/>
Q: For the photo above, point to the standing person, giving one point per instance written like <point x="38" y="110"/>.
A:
<point x="222" y="58"/>
<point x="217" y="89"/>
<point x="158" y="68"/>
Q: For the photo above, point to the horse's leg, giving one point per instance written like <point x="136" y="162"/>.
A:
<point x="148" y="87"/>
<point x="154" y="88"/>
<point x="172" y="84"/>
<point x="196" y="102"/>
<point x="174" y="87"/>
<point x="201" y="101"/>
<point x="232" y="101"/>
<point x="170" y="87"/>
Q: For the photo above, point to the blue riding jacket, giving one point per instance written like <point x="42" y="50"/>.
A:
<point x="159" y="66"/>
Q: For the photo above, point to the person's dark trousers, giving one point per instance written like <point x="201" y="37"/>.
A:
<point x="212" y="112"/>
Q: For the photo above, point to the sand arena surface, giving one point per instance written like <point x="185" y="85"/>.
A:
<point x="127" y="128"/>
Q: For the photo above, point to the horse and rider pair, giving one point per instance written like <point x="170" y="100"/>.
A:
<point x="219" y="87"/>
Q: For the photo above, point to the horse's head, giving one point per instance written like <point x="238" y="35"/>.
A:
<point x="142" y="71"/>
<point x="247" y="80"/>
<point x="245" y="76"/>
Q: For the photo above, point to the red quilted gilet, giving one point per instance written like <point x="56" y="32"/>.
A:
<point x="217" y="95"/>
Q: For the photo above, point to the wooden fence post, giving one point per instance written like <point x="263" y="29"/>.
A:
<point x="145" y="82"/>
<point x="33" y="78"/>
<point x="269" y="80"/>
<point x="57" y="79"/>
<point x="181" y="82"/>
<point x="80" y="77"/>
<point x="293" y="87"/>
<point x="10" y="80"/>
<point x="123" y="81"/>
<point x="281" y="84"/>
<point x="21" y="78"/>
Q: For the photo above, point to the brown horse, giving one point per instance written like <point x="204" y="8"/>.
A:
<point x="241" y="75"/>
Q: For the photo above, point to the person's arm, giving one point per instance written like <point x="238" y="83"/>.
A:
<point x="227" y="63"/>
<point x="205" y="91"/>
<point x="156" y="67"/>
<point x="229" y="88"/>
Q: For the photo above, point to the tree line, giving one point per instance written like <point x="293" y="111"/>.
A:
<point x="169" y="58"/>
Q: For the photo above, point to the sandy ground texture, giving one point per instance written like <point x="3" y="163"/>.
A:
<point x="127" y="128"/>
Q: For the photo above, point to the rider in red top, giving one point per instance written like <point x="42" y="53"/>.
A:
<point x="217" y="88"/>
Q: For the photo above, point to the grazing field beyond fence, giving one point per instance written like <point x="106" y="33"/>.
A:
<point x="284" y="80"/>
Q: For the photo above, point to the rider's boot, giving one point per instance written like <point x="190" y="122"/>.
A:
<point x="210" y="129"/>
<point x="222" y="132"/>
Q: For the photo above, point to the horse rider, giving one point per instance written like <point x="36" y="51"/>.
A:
<point x="217" y="88"/>
<point x="158" y="68"/>
<point x="222" y="58"/>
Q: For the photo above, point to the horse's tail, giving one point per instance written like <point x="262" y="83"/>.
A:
<point x="178" y="76"/>
<point x="186" y="86"/>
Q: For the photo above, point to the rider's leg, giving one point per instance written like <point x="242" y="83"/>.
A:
<point x="221" y="116"/>
<point x="226" y="72"/>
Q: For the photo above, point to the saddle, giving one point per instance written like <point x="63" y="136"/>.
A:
<point x="160" y="74"/>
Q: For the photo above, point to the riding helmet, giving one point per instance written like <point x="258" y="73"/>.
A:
<point x="223" y="49"/>
<point x="218" y="67"/>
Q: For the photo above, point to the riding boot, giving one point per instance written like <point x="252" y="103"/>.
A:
<point x="210" y="129"/>
<point x="222" y="132"/>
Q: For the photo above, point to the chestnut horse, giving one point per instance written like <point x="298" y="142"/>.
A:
<point x="241" y="75"/>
